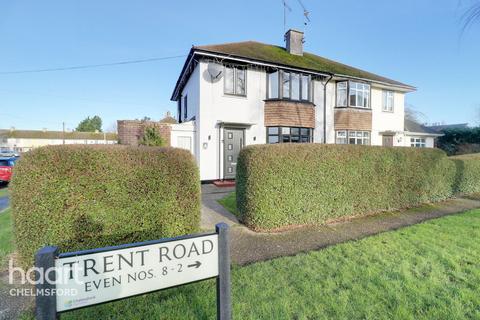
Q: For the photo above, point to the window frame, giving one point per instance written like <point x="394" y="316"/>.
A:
<point x="385" y="99"/>
<point x="185" y="107"/>
<point x="235" y="80"/>
<point x="280" y="134"/>
<point x="301" y="80"/>
<point x="349" y="88"/>
<point x="347" y="137"/>
<point x="418" y="142"/>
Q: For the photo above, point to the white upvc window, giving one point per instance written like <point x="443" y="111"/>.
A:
<point x="235" y="81"/>
<point x="341" y="137"/>
<point x="388" y="101"/>
<point x="342" y="88"/>
<point x="353" y="94"/>
<point x="352" y="137"/>
<point x="418" y="142"/>
<point x="359" y="95"/>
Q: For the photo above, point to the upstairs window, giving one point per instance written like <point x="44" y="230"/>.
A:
<point x="342" y="88"/>
<point x="358" y="94"/>
<point x="273" y="85"/>
<point x="235" y="80"/>
<point x="185" y="107"/>
<point x="388" y="101"/>
<point x="289" y="86"/>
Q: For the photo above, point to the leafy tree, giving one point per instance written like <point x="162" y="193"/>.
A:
<point x="152" y="138"/>
<point x="90" y="124"/>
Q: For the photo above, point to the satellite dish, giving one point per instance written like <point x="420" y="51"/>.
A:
<point x="215" y="70"/>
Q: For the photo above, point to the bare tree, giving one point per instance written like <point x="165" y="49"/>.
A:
<point x="414" y="115"/>
<point x="472" y="15"/>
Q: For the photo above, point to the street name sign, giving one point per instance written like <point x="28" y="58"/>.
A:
<point x="112" y="273"/>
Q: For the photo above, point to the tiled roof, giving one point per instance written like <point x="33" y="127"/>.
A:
<point x="412" y="126"/>
<point x="278" y="55"/>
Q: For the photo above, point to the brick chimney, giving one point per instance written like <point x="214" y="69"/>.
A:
<point x="294" y="39"/>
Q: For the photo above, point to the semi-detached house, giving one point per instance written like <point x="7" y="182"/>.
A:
<point x="236" y="94"/>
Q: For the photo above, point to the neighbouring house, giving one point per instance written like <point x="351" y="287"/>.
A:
<point x="26" y="140"/>
<point x="420" y="136"/>
<point x="236" y="94"/>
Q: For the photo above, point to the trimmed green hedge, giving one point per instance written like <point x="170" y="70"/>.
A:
<point x="81" y="197"/>
<point x="468" y="173"/>
<point x="296" y="184"/>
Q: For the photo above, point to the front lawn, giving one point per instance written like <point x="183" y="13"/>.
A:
<point x="6" y="235"/>
<point x="427" y="271"/>
<point x="230" y="203"/>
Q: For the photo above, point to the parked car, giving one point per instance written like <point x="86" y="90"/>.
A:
<point x="6" y="168"/>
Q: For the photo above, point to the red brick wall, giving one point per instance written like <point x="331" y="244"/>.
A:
<point x="131" y="131"/>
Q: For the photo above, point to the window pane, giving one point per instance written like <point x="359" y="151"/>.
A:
<point x="305" y="139"/>
<point x="305" y="131"/>
<point x="286" y="85"/>
<point x="272" y="139"/>
<point x="285" y="130"/>
<point x="295" y="94"/>
<point x="342" y="94"/>
<point x="240" y="81"/>
<point x="286" y="138"/>
<point x="229" y="83"/>
<point x="273" y="85"/>
<point x="366" y="98"/>
<point x="353" y="97"/>
<point x="295" y="131"/>
<point x="273" y="130"/>
<point x="305" y="87"/>
<point x="295" y="139"/>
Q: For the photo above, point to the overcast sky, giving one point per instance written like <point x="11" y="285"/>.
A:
<point x="416" y="42"/>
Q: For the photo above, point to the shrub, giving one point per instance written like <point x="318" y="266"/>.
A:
<point x="468" y="173"/>
<point x="289" y="184"/>
<point x="152" y="138"/>
<point x="81" y="197"/>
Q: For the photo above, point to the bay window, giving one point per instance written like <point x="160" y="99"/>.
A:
<point x="235" y="80"/>
<point x="352" y="137"/>
<point x="289" y="86"/>
<point x="273" y="92"/>
<point x="358" y="94"/>
<point x="289" y="134"/>
<point x="388" y="101"/>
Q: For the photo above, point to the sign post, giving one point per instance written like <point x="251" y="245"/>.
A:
<point x="224" y="301"/>
<point x="74" y="280"/>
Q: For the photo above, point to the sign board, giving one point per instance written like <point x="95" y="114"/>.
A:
<point x="112" y="273"/>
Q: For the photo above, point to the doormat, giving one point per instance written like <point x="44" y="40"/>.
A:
<point x="224" y="183"/>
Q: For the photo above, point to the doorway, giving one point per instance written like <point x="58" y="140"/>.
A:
<point x="234" y="139"/>
<point x="387" y="140"/>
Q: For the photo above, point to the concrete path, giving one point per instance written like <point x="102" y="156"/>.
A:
<point x="212" y="211"/>
<point x="248" y="246"/>
<point x="4" y="204"/>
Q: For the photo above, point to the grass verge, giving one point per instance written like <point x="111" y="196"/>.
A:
<point x="6" y="236"/>
<point x="427" y="271"/>
<point x="229" y="202"/>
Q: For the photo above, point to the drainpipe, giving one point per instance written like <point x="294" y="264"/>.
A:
<point x="325" y="109"/>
